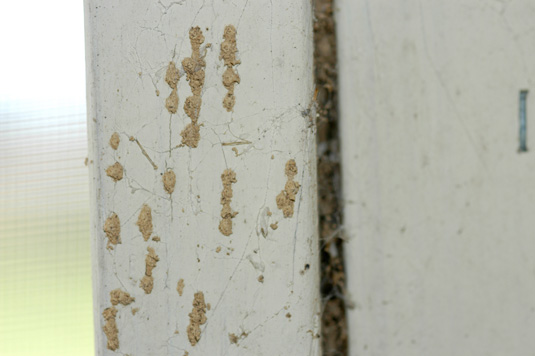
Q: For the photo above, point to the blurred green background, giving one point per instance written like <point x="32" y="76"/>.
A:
<point x="45" y="263"/>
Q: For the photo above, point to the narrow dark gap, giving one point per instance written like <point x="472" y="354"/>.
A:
<point x="334" y="325"/>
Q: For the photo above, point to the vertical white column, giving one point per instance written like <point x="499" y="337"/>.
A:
<point x="203" y="177"/>
<point x="438" y="202"/>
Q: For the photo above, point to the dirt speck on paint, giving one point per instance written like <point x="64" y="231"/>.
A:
<point x="218" y="249"/>
<point x="115" y="171"/>
<point x="156" y="238"/>
<point x="197" y="317"/>
<point x="228" y="178"/>
<point x="286" y="198"/>
<point x="180" y="287"/>
<point x="169" y="181"/>
<point x="274" y="226"/>
<point x="110" y="328"/>
<point x="147" y="282"/>
<point x="228" y="54"/>
<point x="194" y="68"/>
<point x="112" y="228"/>
<point x="134" y="311"/>
<point x="144" y="222"/>
<point x="233" y="338"/>
<point x="118" y="296"/>
<point x="261" y="278"/>
<point x="115" y="140"/>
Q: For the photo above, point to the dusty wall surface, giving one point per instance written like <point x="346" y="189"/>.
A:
<point x="438" y="202"/>
<point x="196" y="290"/>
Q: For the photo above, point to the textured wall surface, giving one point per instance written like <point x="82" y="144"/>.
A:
<point x="205" y="280"/>
<point x="438" y="202"/>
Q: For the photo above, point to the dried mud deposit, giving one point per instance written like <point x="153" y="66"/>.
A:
<point x="194" y="67"/>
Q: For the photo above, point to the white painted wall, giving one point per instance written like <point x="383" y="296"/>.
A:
<point x="130" y="43"/>
<point x="438" y="203"/>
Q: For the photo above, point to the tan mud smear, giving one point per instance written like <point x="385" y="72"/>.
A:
<point x="144" y="222"/>
<point x="110" y="328"/>
<point x="147" y="282"/>
<point x="286" y="198"/>
<point x="169" y="181"/>
<point x="197" y="317"/>
<point x="171" y="103"/>
<point x="194" y="67"/>
<point x="180" y="287"/>
<point x="230" y="77"/>
<point x="171" y="77"/>
<point x="115" y="140"/>
<point x="115" y="172"/>
<point x="118" y="296"/>
<point x="228" y="178"/>
<point x="112" y="228"/>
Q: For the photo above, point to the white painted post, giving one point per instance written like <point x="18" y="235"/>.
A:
<point x="203" y="177"/>
<point x="438" y="202"/>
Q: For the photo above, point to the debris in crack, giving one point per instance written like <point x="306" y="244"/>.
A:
<point x="115" y="172"/>
<point x="147" y="282"/>
<point x="112" y="228"/>
<point x="197" y="317"/>
<point x="334" y="325"/>
<point x="230" y="77"/>
<point x="228" y="178"/>
<point x="286" y="198"/>
<point x="194" y="68"/>
<point x="144" y="222"/>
